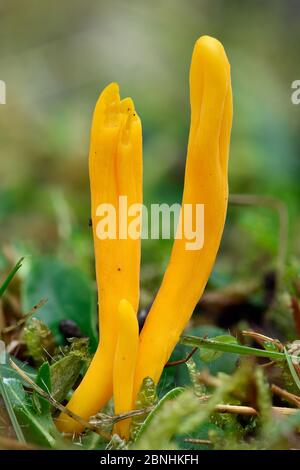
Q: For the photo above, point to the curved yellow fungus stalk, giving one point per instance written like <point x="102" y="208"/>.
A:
<point x="115" y="167"/>
<point x="205" y="183"/>
<point x="124" y="365"/>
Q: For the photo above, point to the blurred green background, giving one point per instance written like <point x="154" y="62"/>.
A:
<point x="56" y="57"/>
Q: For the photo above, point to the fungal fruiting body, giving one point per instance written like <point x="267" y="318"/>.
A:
<point x="122" y="361"/>
<point x="124" y="365"/>
<point x="115" y="168"/>
<point x="205" y="183"/>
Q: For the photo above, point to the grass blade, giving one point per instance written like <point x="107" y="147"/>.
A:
<point x="12" y="273"/>
<point x="195" y="341"/>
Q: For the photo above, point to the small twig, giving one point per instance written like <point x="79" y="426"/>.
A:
<point x="23" y="320"/>
<point x="267" y="365"/>
<point x="199" y="442"/>
<point x="131" y="414"/>
<point x="181" y="361"/>
<point x="236" y="409"/>
<point x="57" y="405"/>
<point x="290" y="397"/>
<point x="249" y="410"/>
<point x="262" y="339"/>
<point x="102" y="418"/>
<point x="284" y="411"/>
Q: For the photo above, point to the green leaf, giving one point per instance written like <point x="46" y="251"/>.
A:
<point x="64" y="374"/>
<point x="210" y="355"/>
<point x="9" y="278"/>
<point x="38" y="428"/>
<point x="69" y="295"/>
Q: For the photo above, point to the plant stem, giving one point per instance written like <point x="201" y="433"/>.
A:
<point x="287" y="396"/>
